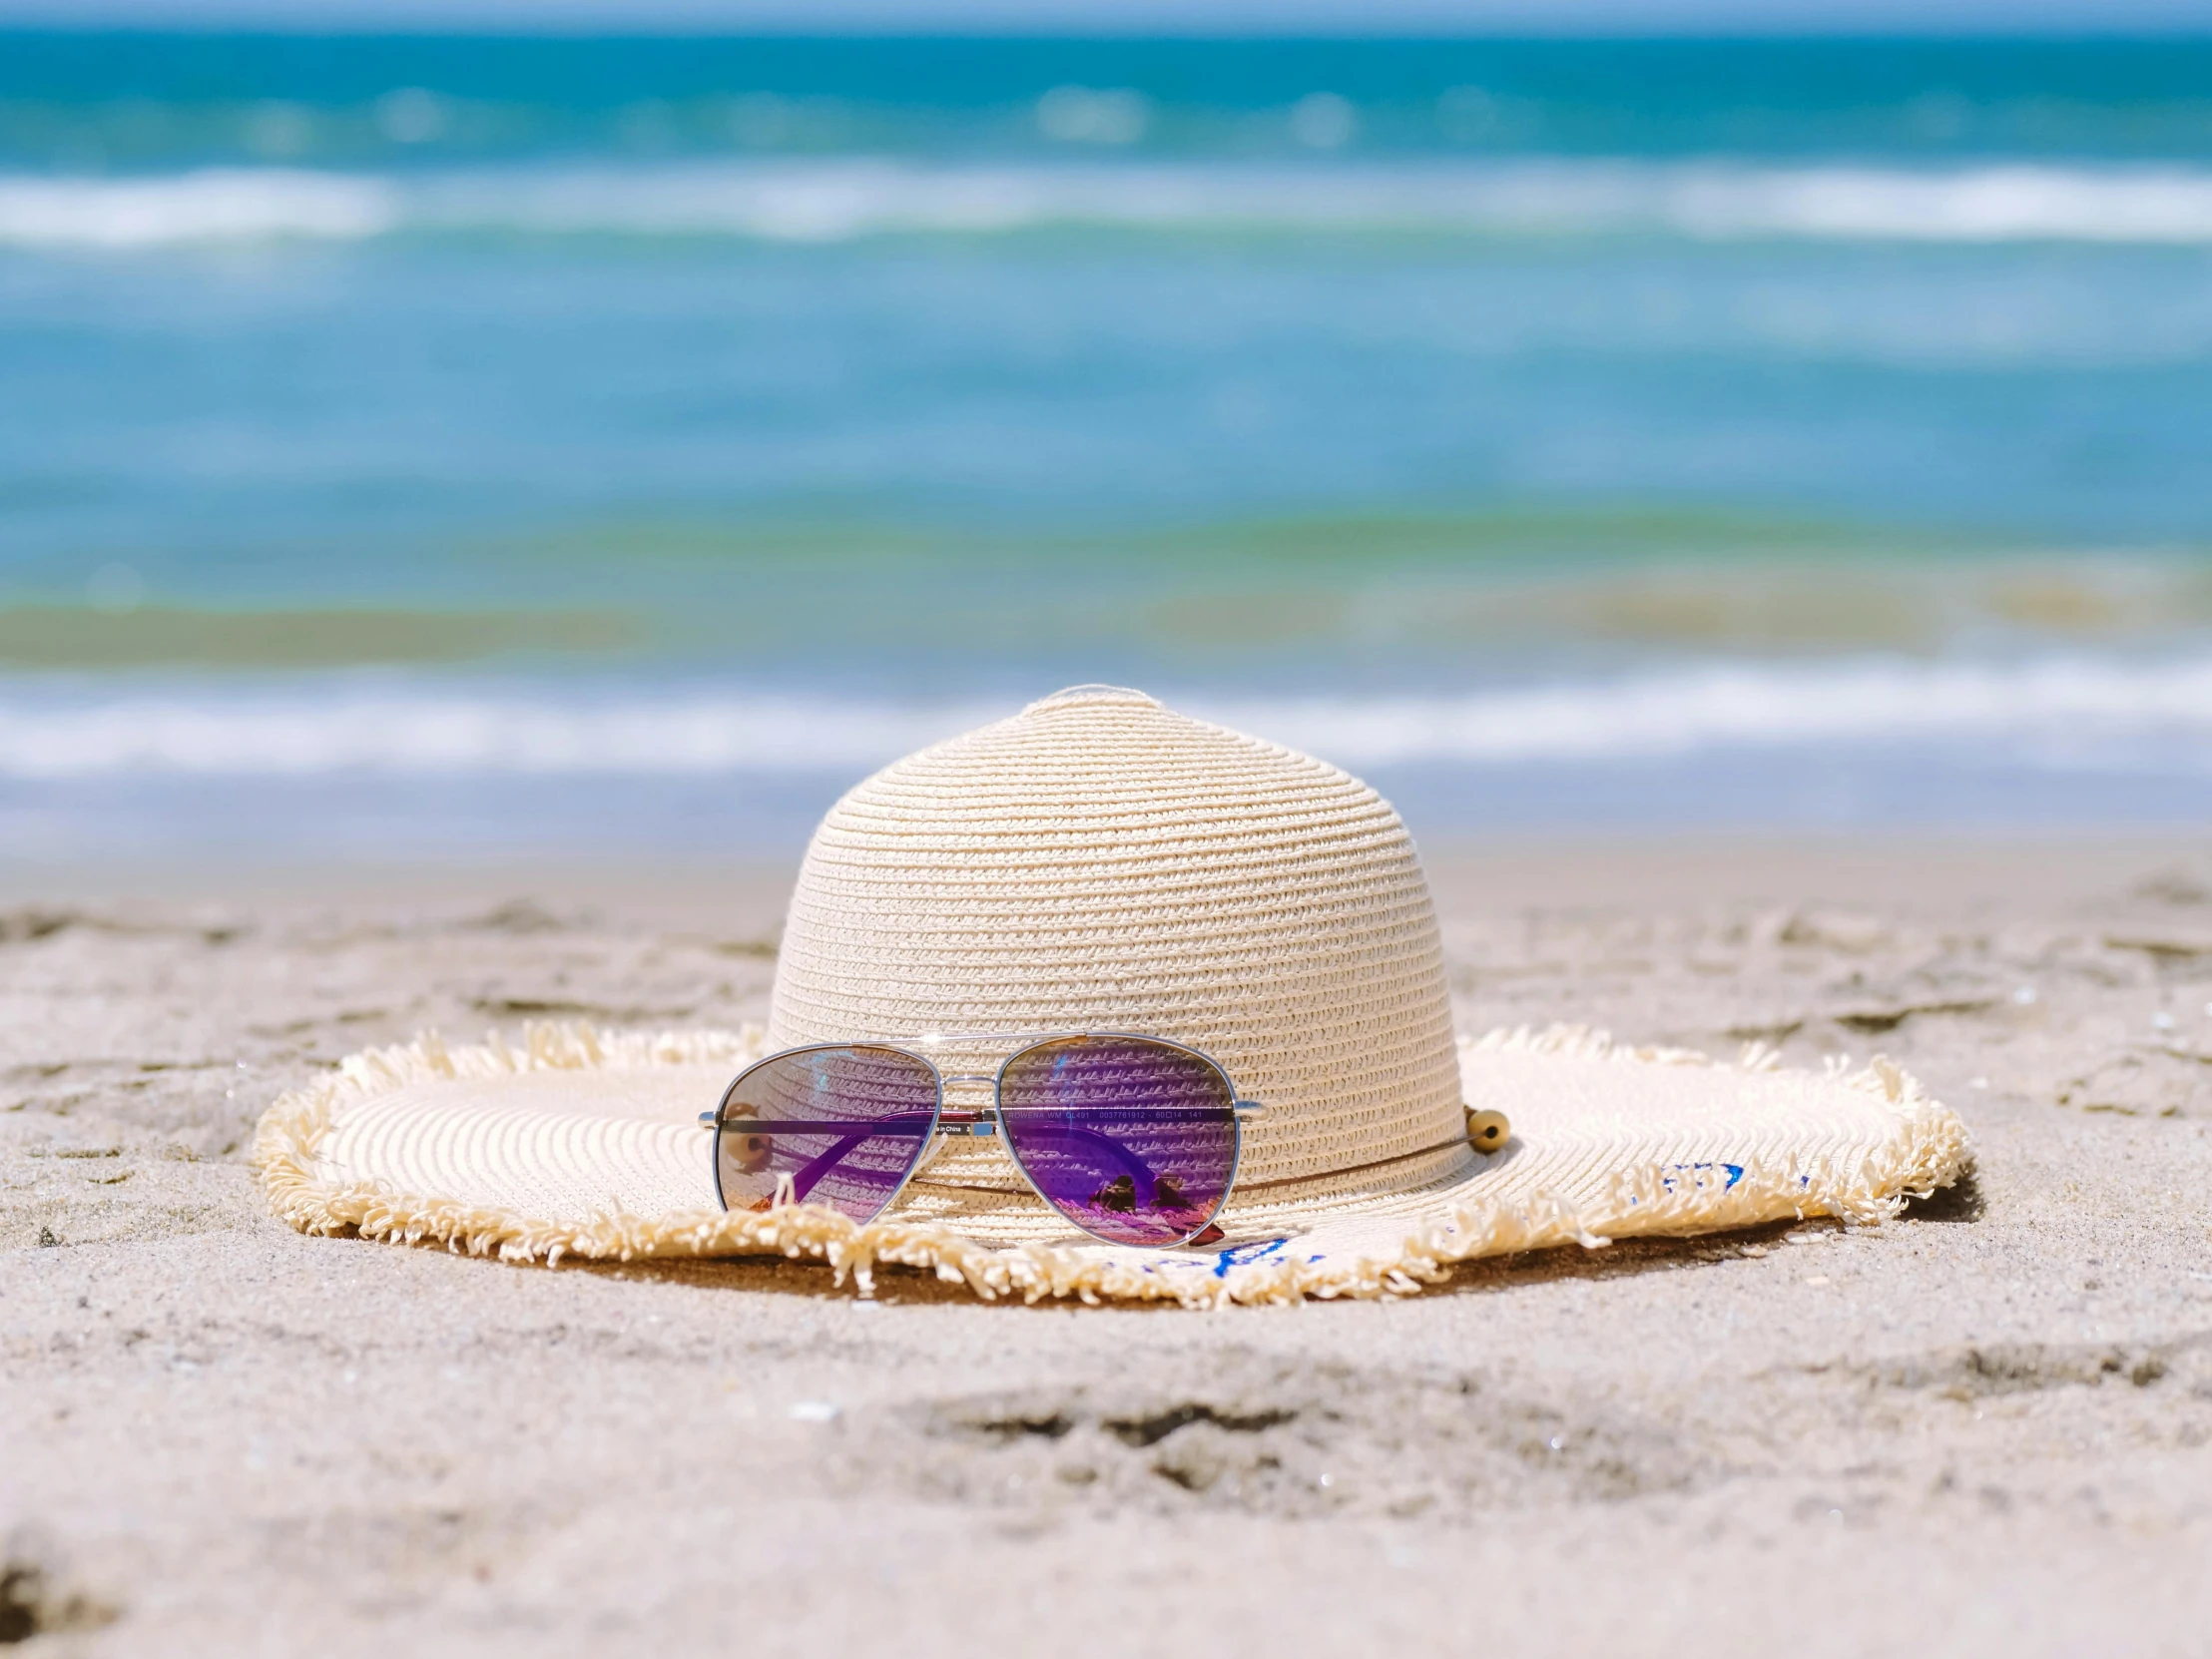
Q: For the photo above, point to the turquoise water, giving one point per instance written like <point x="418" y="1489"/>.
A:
<point x="1592" y="433"/>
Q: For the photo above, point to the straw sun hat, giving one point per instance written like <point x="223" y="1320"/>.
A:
<point x="1098" y="862"/>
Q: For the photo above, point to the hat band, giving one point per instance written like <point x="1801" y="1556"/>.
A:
<point x="1242" y="1186"/>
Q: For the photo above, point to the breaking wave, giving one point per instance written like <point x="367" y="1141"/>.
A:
<point x="843" y="200"/>
<point x="2064" y="714"/>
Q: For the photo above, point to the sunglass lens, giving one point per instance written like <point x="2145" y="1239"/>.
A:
<point x="1133" y="1141"/>
<point x="837" y="1126"/>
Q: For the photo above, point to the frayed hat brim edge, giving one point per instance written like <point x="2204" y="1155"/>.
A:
<point x="1927" y="1149"/>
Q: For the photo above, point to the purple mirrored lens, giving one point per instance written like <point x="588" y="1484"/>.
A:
<point x="1135" y="1142"/>
<point x="837" y="1126"/>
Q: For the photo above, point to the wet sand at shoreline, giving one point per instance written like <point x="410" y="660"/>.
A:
<point x="1988" y="1425"/>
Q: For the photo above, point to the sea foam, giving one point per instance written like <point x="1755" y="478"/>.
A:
<point x="211" y="206"/>
<point x="841" y="200"/>
<point x="2062" y="714"/>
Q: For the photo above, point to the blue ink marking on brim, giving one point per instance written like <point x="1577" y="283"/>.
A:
<point x="1236" y="1256"/>
<point x="1735" y="1174"/>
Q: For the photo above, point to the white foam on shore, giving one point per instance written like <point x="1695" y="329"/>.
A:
<point x="212" y="205"/>
<point x="2057" y="714"/>
<point x="841" y="200"/>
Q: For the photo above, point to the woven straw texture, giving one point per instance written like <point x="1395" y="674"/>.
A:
<point x="1101" y="864"/>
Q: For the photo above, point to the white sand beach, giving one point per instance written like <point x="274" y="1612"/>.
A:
<point x="1985" y="1427"/>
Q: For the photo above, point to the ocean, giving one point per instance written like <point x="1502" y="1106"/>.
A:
<point x="452" y="446"/>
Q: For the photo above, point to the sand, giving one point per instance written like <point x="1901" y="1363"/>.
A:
<point x="1985" y="1427"/>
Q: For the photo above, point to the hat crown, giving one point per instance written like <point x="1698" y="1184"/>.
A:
<point x="1101" y="862"/>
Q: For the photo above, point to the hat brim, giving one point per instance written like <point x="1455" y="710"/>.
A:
<point x="585" y="1144"/>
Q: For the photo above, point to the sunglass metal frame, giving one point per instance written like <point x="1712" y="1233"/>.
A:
<point x="986" y="1122"/>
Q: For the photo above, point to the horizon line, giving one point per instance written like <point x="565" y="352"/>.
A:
<point x="2056" y="32"/>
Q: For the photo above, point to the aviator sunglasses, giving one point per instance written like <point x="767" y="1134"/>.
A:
<point x="1135" y="1140"/>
